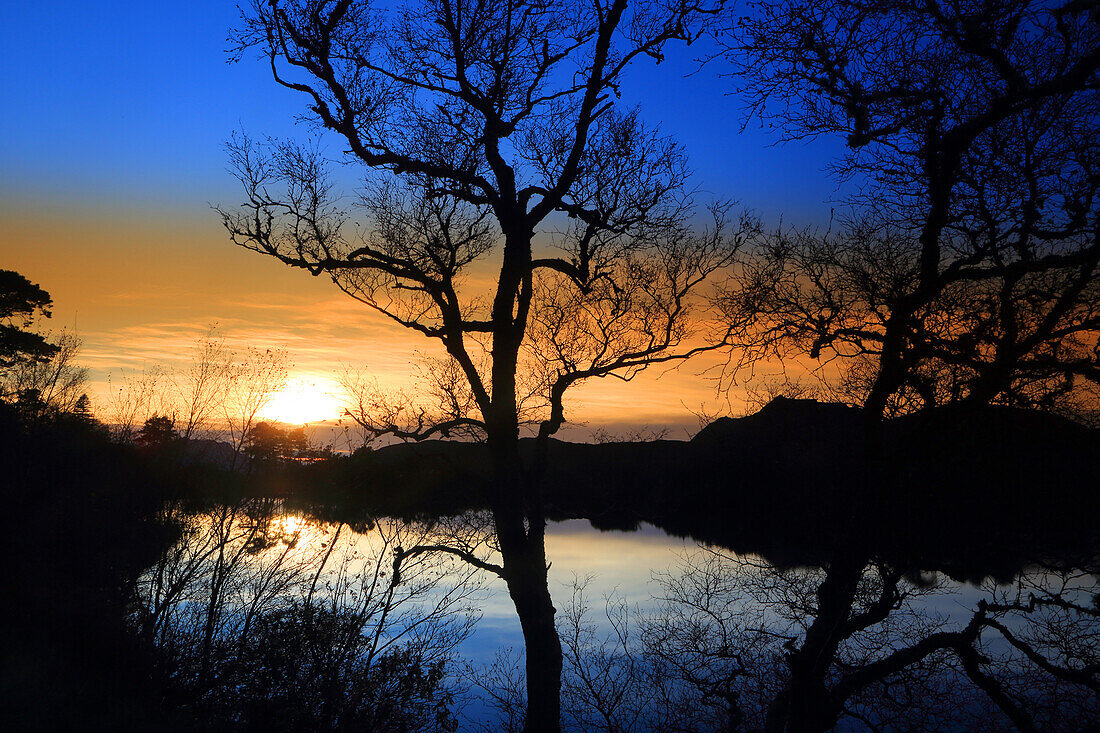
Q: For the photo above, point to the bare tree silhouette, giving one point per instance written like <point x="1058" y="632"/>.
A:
<point x="496" y="123"/>
<point x="968" y="269"/>
<point x="259" y="618"/>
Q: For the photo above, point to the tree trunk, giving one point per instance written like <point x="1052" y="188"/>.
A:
<point x="891" y="369"/>
<point x="523" y="550"/>
<point x="516" y="497"/>
<point x="527" y="584"/>
<point x="806" y="704"/>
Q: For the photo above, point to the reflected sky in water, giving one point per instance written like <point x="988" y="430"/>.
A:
<point x="613" y="564"/>
<point x="618" y="564"/>
<point x="626" y="567"/>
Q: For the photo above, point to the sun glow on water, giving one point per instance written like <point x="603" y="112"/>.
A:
<point x="304" y="400"/>
<point x="292" y="524"/>
<point x="296" y="531"/>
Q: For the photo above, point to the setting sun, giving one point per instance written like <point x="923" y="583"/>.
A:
<point x="304" y="400"/>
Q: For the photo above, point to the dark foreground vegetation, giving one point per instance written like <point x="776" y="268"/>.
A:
<point x="134" y="565"/>
<point x="84" y="523"/>
<point x="124" y="604"/>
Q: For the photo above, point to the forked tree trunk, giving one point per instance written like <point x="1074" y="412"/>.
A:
<point x="516" y="501"/>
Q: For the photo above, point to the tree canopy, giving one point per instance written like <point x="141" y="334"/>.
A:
<point x="21" y="304"/>
<point x="966" y="269"/>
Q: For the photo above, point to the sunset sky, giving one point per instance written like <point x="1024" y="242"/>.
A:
<point x="111" y="155"/>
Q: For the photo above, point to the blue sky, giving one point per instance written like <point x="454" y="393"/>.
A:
<point x="127" y="104"/>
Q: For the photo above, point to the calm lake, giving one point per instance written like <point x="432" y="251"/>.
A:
<point x="637" y="610"/>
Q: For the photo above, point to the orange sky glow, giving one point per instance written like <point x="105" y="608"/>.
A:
<point x="140" y="287"/>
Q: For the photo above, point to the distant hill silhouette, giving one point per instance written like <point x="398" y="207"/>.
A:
<point x="785" y="420"/>
<point x="978" y="491"/>
<point x="215" y="454"/>
<point x="973" y="491"/>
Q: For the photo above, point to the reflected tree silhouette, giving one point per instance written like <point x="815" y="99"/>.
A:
<point x="735" y="643"/>
<point x="261" y="618"/>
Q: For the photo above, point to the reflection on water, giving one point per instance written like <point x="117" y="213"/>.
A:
<point x="261" y="618"/>
<point x="292" y="525"/>
<point x="618" y="564"/>
<point x="258" y="613"/>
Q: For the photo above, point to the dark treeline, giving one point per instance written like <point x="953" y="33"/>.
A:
<point x="86" y="521"/>
<point x="972" y="492"/>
